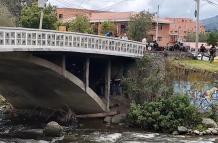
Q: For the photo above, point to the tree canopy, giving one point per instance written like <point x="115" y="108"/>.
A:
<point x="108" y="26"/>
<point x="6" y="17"/>
<point x="30" y="17"/>
<point x="213" y="38"/>
<point x="139" y="25"/>
<point x="191" y="37"/>
<point x="80" y="24"/>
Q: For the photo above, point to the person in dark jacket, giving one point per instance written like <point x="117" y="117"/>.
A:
<point x="202" y="51"/>
<point x="212" y="53"/>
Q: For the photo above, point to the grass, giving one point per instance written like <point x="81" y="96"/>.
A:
<point x="197" y="64"/>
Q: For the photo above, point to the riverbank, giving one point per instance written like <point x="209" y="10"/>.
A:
<point x="96" y="132"/>
<point x="197" y="65"/>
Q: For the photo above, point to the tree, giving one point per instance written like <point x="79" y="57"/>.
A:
<point x="212" y="38"/>
<point x="15" y="7"/>
<point x="30" y="17"/>
<point x="108" y="26"/>
<point x="191" y="37"/>
<point x="139" y="25"/>
<point x="6" y="18"/>
<point x="80" y="24"/>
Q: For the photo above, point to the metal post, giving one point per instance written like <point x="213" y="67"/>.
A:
<point x="87" y="74"/>
<point x="157" y="27"/>
<point x="197" y="25"/>
<point x="107" y="84"/>
<point x="41" y="18"/>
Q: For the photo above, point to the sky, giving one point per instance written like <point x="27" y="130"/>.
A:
<point x="168" y="8"/>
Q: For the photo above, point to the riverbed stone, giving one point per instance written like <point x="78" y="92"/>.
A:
<point x="118" y="118"/>
<point x="53" y="129"/>
<point x="182" y="130"/>
<point x="196" y="132"/>
<point x="107" y="119"/>
<point x="207" y="132"/>
<point x="175" y="133"/>
<point x="31" y="133"/>
<point x="210" y="123"/>
<point x="213" y="131"/>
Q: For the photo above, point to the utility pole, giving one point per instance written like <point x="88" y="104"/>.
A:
<point x="157" y="27"/>
<point x="41" y="5"/>
<point x="197" y="15"/>
<point x="41" y="18"/>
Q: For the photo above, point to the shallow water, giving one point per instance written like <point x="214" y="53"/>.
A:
<point x="119" y="137"/>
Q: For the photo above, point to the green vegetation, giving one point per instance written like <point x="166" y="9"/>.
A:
<point x="139" y="25"/>
<point x="192" y="36"/>
<point x="80" y="24"/>
<point x="6" y="18"/>
<point x="154" y="107"/>
<point x="165" y="114"/>
<point x="196" y="64"/>
<point x="108" y="26"/>
<point x="14" y="7"/>
<point x="30" y="17"/>
<point x="145" y="83"/>
<point x="213" y="38"/>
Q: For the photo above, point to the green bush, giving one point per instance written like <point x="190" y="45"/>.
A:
<point x="164" y="115"/>
<point x="212" y="113"/>
<point x="145" y="82"/>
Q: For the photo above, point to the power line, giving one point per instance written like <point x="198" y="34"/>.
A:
<point x="212" y="3"/>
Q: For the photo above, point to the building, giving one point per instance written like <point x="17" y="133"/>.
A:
<point x="181" y="27"/>
<point x="120" y="19"/>
<point x="170" y="29"/>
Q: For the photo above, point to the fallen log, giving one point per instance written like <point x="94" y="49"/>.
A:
<point x="98" y="115"/>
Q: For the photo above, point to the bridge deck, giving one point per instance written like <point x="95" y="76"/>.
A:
<point x="23" y="39"/>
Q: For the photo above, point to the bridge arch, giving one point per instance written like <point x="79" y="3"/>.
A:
<point x="28" y="82"/>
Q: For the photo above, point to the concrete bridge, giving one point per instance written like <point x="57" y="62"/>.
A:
<point x="51" y="69"/>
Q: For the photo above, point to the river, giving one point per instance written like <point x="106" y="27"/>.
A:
<point x="193" y="85"/>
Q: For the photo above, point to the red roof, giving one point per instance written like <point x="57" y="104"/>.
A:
<point x="111" y="16"/>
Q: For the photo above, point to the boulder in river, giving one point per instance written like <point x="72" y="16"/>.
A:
<point x="175" y="133"/>
<point x="182" y="130"/>
<point x="210" y="123"/>
<point x="107" y="119"/>
<point x="53" y="129"/>
<point x="118" y="118"/>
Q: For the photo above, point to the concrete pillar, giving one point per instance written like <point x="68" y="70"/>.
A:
<point x="63" y="65"/>
<point x="87" y="63"/>
<point x="107" y="84"/>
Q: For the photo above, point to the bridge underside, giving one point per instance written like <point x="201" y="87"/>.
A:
<point x="27" y="85"/>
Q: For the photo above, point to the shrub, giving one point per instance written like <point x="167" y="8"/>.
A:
<point x="164" y="115"/>
<point x="145" y="82"/>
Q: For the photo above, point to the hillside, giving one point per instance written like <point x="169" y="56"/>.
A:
<point x="211" y="24"/>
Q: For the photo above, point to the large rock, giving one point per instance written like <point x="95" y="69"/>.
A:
<point x="182" y="130"/>
<point x="118" y="118"/>
<point x="107" y="119"/>
<point x="213" y="131"/>
<point x="53" y="129"/>
<point x="210" y="123"/>
<point x="196" y="132"/>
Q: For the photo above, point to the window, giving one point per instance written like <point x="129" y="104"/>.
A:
<point x="161" y="27"/>
<point x="60" y="16"/>
<point x="159" y="38"/>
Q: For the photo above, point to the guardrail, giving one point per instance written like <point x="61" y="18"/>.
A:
<point x="23" y="39"/>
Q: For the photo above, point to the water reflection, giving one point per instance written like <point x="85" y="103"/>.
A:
<point x="202" y="94"/>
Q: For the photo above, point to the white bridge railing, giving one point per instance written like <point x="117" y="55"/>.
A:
<point x="23" y="39"/>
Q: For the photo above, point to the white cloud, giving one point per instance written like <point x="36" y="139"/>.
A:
<point x="168" y="8"/>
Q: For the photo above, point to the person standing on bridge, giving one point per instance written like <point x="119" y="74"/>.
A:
<point x="124" y="37"/>
<point x="212" y="53"/>
<point x="202" y="51"/>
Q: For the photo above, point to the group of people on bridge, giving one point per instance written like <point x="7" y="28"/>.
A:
<point x="204" y="52"/>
